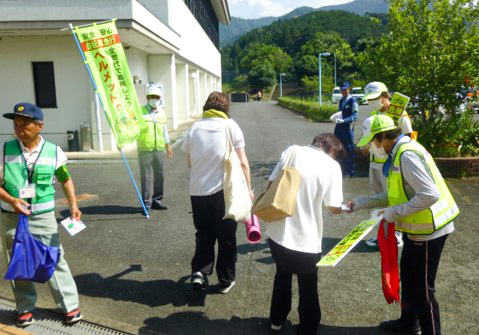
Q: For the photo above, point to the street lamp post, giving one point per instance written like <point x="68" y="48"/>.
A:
<point x="321" y="54"/>
<point x="281" y="75"/>
<point x="334" y="70"/>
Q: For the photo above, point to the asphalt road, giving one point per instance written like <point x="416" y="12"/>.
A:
<point x="132" y="273"/>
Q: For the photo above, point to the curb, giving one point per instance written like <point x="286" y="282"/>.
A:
<point x="176" y="136"/>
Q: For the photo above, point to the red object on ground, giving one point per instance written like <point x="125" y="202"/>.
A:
<point x="389" y="262"/>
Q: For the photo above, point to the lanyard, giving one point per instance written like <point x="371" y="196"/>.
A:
<point x="30" y="173"/>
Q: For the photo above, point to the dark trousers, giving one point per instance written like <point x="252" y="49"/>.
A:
<point x="289" y="262"/>
<point x="151" y="173"/>
<point x="208" y="213"/>
<point x="346" y="136"/>
<point x="419" y="264"/>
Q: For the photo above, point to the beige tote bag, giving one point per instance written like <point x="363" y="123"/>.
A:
<point x="279" y="200"/>
<point x="236" y="192"/>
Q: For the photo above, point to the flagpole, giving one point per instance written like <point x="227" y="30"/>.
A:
<point x="147" y="214"/>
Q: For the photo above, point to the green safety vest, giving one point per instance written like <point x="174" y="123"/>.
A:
<point x="429" y="220"/>
<point x="16" y="176"/>
<point x="151" y="136"/>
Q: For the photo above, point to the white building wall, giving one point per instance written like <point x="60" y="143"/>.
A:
<point x="162" y="69"/>
<point x="71" y="82"/>
<point x="182" y="96"/>
<point x="195" y="45"/>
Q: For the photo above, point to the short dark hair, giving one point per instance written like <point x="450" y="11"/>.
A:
<point x="330" y="144"/>
<point x="389" y="134"/>
<point x="217" y="101"/>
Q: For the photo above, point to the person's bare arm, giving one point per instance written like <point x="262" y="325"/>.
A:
<point x="17" y="203"/>
<point x="245" y="166"/>
<point x="334" y="210"/>
<point x="69" y="191"/>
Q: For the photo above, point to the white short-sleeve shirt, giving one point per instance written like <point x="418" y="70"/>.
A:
<point x="321" y="183"/>
<point x="32" y="155"/>
<point x="205" y="143"/>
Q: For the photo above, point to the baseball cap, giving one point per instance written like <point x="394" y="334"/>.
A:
<point x="154" y="90"/>
<point x="25" y="109"/>
<point x="345" y="85"/>
<point x="374" y="89"/>
<point x="374" y="125"/>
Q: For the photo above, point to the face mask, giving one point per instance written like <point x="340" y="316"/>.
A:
<point x="154" y="103"/>
<point x="377" y="151"/>
<point x="376" y="104"/>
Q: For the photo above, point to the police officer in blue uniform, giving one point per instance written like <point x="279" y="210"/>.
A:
<point x="344" y="130"/>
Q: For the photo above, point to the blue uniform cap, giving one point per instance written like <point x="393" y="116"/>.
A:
<point x="25" y="109"/>
<point x="345" y="85"/>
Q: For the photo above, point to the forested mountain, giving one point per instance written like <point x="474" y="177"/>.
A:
<point x="361" y="6"/>
<point x="290" y="35"/>
<point x="238" y="27"/>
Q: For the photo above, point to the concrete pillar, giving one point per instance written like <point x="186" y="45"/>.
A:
<point x="194" y="88"/>
<point x="182" y="88"/>
<point x="162" y="69"/>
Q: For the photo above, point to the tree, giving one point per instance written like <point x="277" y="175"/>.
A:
<point x="432" y="47"/>
<point x="263" y="64"/>
<point x="307" y="59"/>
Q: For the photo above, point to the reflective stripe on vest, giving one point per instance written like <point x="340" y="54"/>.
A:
<point x="16" y="176"/>
<point x="426" y="221"/>
<point x="151" y="136"/>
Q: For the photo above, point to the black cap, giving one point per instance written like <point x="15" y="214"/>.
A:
<point x="25" y="109"/>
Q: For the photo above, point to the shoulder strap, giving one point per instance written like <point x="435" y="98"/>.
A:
<point x="291" y="157"/>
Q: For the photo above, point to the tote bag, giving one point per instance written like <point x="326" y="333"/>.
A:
<point x="279" y="200"/>
<point x="236" y="192"/>
<point x="31" y="259"/>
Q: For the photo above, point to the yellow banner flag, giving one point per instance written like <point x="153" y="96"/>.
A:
<point x="106" y="60"/>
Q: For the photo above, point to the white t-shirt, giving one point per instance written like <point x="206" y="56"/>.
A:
<point x="321" y="183"/>
<point x="32" y="155"/>
<point x="205" y="143"/>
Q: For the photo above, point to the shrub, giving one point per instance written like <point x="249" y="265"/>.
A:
<point x="456" y="135"/>
<point x="311" y="110"/>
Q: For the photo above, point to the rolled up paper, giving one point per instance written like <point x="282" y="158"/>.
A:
<point x="253" y="229"/>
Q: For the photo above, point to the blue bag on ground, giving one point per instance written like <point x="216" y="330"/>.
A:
<point x="31" y="259"/>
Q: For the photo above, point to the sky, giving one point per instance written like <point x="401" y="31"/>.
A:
<point x="253" y="9"/>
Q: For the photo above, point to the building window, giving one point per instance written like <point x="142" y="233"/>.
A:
<point x="44" y="80"/>
<point x="205" y="15"/>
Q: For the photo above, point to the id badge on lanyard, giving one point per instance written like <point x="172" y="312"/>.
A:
<point x="29" y="191"/>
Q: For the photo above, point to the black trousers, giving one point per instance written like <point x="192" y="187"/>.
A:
<point x="419" y="264"/>
<point x="151" y="173"/>
<point x="289" y="262"/>
<point x="208" y="213"/>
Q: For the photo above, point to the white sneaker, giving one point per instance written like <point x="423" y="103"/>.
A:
<point x="225" y="289"/>
<point x="399" y="239"/>
<point x="198" y="281"/>
<point x="372" y="243"/>
<point x="276" y="328"/>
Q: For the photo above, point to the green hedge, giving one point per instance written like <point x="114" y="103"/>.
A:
<point x="309" y="109"/>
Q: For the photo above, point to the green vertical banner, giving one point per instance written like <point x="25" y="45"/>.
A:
<point x="106" y="59"/>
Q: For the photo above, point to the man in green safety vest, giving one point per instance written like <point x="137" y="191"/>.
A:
<point x="151" y="145"/>
<point x="420" y="204"/>
<point x="377" y="95"/>
<point x="29" y="167"/>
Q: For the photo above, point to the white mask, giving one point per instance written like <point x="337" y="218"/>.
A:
<point x="377" y="151"/>
<point x="154" y="103"/>
<point x="375" y="104"/>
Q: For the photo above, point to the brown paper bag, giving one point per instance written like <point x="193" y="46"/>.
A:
<point x="279" y="200"/>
